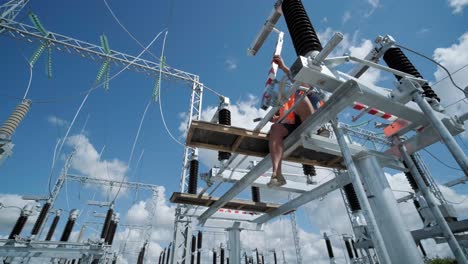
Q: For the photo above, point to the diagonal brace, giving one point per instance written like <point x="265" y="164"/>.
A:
<point x="344" y="96"/>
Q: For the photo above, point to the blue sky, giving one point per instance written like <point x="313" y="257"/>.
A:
<point x="207" y="38"/>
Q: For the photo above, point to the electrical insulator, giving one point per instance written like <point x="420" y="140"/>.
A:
<point x="141" y="255"/>
<point x="352" y="197"/>
<point x="164" y="257"/>
<point x="53" y="225"/>
<point x="329" y="246"/>
<point x="69" y="226"/>
<point x="224" y="118"/>
<point x="349" y="248"/>
<point x="21" y="222"/>
<point x="199" y="246"/>
<point x="309" y="170"/>
<point x="255" y="194"/>
<point x="221" y="256"/>
<point x="194" y="246"/>
<point x="193" y="177"/>
<point x="112" y="228"/>
<point x="168" y="253"/>
<point x="396" y="59"/>
<point x="354" y="248"/>
<point x="9" y="127"/>
<point x="105" y="226"/>
<point x="422" y="249"/>
<point x="40" y="218"/>
<point x="302" y="32"/>
<point x="410" y="176"/>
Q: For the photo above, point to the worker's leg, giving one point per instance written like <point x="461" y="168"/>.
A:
<point x="304" y="109"/>
<point x="277" y="133"/>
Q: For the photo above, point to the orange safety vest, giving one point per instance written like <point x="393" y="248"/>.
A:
<point x="290" y="118"/>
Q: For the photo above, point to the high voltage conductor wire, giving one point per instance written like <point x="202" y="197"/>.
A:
<point x="160" y="102"/>
<point x="435" y="62"/>
<point x="141" y="45"/>
<point x="99" y="85"/>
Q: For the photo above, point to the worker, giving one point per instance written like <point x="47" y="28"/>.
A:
<point x="279" y="131"/>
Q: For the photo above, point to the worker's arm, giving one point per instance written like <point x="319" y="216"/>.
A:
<point x="275" y="117"/>
<point x="279" y="60"/>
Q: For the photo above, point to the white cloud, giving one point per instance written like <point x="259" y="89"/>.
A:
<point x="457" y="5"/>
<point x="163" y="225"/>
<point x="372" y="76"/>
<point x="453" y="58"/>
<point x="10" y="211"/>
<point x="86" y="160"/>
<point x="374" y="4"/>
<point x="231" y="64"/>
<point x="56" y="121"/>
<point x="346" y="17"/>
<point x="423" y="31"/>
<point x="355" y="47"/>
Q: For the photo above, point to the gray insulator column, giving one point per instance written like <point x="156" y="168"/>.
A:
<point x="10" y="125"/>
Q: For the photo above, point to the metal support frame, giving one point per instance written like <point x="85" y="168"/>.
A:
<point x="11" y="9"/>
<point x="439" y="218"/>
<point x="444" y="133"/>
<point x="92" y="51"/>
<point x="373" y="228"/>
<point x="51" y="249"/>
<point x="183" y="224"/>
<point x="295" y="233"/>
<point x="344" y="95"/>
<point x="234" y="243"/>
<point x="306" y="197"/>
<point x="397" y="239"/>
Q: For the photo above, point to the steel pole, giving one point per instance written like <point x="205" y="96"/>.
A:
<point x="234" y="243"/>
<point x="374" y="230"/>
<point x="398" y="241"/>
<point x="439" y="218"/>
<point x="445" y="135"/>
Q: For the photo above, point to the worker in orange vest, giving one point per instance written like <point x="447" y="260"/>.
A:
<point x="279" y="131"/>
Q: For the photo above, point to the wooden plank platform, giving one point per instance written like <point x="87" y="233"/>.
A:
<point x="235" y="204"/>
<point x="218" y="137"/>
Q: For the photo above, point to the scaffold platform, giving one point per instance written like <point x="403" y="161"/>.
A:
<point x="235" y="204"/>
<point x="218" y="137"/>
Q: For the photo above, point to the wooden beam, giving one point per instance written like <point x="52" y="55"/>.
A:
<point x="235" y="204"/>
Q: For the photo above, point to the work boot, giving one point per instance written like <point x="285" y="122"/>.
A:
<point x="276" y="181"/>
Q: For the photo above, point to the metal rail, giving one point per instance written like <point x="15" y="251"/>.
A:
<point x="91" y="51"/>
